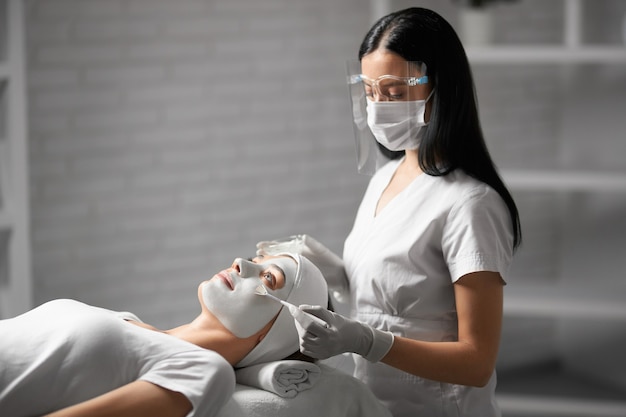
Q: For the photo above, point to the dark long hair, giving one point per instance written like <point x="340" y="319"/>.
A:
<point x="454" y="138"/>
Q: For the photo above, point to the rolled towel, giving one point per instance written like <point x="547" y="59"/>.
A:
<point x="285" y="378"/>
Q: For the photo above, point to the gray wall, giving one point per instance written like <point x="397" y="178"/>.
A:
<point x="167" y="138"/>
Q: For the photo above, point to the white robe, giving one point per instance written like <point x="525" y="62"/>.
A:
<point x="65" y="352"/>
<point x="401" y="267"/>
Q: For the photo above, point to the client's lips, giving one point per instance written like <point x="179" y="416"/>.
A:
<point x="223" y="275"/>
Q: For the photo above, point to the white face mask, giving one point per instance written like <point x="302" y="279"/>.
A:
<point x="397" y="125"/>
<point x="239" y="309"/>
<point x="309" y="287"/>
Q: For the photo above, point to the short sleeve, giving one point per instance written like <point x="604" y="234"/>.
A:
<point x="478" y="234"/>
<point x="203" y="376"/>
<point x="127" y="315"/>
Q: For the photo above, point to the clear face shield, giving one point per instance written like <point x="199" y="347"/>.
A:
<point x="387" y="107"/>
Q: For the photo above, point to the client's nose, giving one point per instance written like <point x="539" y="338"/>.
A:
<point x="246" y="269"/>
<point x="235" y="265"/>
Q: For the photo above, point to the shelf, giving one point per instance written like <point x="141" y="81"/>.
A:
<point x="535" y="405"/>
<point x="5" y="220"/>
<point x="540" y="54"/>
<point x="565" y="301"/>
<point x="4" y="71"/>
<point x="552" y="389"/>
<point x="545" y="180"/>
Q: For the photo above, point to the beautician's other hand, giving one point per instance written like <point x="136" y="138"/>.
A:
<point x="328" y="262"/>
<point x="341" y="335"/>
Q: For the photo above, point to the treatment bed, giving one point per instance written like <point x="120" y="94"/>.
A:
<point x="322" y="391"/>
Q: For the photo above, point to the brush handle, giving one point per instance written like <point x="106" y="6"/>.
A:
<point x="303" y="317"/>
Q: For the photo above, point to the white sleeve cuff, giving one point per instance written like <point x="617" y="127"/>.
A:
<point x="381" y="344"/>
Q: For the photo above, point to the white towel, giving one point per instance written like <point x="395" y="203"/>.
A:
<point x="335" y="394"/>
<point x="285" y="378"/>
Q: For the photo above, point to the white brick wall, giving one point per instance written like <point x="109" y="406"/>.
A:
<point x="167" y="138"/>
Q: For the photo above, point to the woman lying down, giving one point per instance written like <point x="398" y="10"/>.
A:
<point x="65" y="358"/>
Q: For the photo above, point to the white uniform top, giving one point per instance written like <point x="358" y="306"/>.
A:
<point x="65" y="352"/>
<point x="401" y="267"/>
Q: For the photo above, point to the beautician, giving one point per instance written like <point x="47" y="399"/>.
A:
<point x="434" y="234"/>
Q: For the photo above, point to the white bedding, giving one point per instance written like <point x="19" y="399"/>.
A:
<point x="335" y="394"/>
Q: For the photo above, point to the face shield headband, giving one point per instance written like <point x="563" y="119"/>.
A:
<point x="400" y="98"/>
<point x="282" y="339"/>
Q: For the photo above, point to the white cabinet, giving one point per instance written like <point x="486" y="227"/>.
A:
<point x="585" y="317"/>
<point x="572" y="49"/>
<point x="548" y="54"/>
<point x="15" y="256"/>
<point x="583" y="305"/>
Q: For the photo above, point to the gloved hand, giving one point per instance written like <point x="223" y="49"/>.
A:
<point x="341" y="335"/>
<point x="328" y="263"/>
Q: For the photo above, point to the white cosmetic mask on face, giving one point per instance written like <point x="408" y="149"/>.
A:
<point x="397" y="125"/>
<point x="239" y="309"/>
<point x="282" y="340"/>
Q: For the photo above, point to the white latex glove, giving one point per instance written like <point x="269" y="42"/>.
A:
<point x="341" y="335"/>
<point x="328" y="262"/>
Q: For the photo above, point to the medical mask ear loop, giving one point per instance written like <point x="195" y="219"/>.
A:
<point x="425" y="123"/>
<point x="430" y="95"/>
<point x="425" y="103"/>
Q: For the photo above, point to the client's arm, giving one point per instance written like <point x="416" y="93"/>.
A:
<point x="137" y="399"/>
